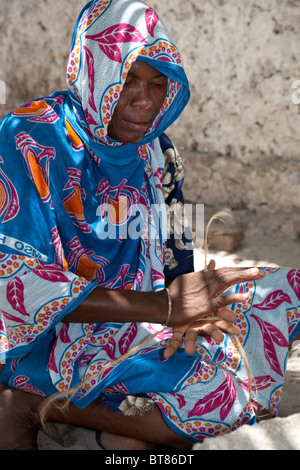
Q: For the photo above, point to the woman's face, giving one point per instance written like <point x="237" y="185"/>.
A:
<point x="142" y="97"/>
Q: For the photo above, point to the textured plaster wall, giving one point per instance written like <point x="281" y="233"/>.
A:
<point x="240" y="135"/>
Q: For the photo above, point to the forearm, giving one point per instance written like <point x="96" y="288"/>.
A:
<point x="116" y="305"/>
<point x="193" y="297"/>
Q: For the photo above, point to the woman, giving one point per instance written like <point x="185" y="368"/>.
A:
<point x="86" y="177"/>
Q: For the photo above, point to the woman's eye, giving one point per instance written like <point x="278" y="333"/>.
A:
<point x="159" y="84"/>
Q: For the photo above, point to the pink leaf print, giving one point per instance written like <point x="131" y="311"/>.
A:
<point x="209" y="340"/>
<point x="245" y="420"/>
<point x="221" y="356"/>
<point x="120" y="387"/>
<point x="223" y="396"/>
<point x="91" y="75"/>
<point x="180" y="399"/>
<point x="116" y="34"/>
<point x="161" y="407"/>
<point x="271" y="334"/>
<point x="110" y="349"/>
<point x="263" y="381"/>
<point x="274" y="333"/>
<point x="112" y="51"/>
<point x="106" y="372"/>
<point x="159" y="336"/>
<point x="293" y="278"/>
<point x="273" y="300"/>
<point x="259" y="383"/>
<point x="52" y="363"/>
<point x="85" y="359"/>
<point x="225" y="409"/>
<point x="15" y="295"/>
<point x="151" y="20"/>
<point x="127" y="338"/>
<point x="10" y="317"/>
<point x="156" y="275"/>
<point x="89" y="118"/>
<point x="51" y="273"/>
<point x="20" y="383"/>
<point x="243" y="287"/>
<point x="64" y="335"/>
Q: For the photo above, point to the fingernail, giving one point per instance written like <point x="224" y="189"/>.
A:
<point x="243" y="298"/>
<point x="253" y="271"/>
<point x="262" y="273"/>
<point x="257" y="272"/>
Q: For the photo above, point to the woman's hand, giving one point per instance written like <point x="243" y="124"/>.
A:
<point x="223" y="324"/>
<point x="225" y="317"/>
<point x="199" y="294"/>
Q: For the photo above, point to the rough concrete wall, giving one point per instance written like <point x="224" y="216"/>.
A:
<point x="241" y="131"/>
<point x="35" y="42"/>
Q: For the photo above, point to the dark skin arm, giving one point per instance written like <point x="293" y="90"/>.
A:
<point x="118" y="305"/>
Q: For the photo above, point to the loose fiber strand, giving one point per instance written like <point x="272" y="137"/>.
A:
<point x="222" y="215"/>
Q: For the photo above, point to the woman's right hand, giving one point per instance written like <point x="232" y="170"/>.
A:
<point x="199" y="294"/>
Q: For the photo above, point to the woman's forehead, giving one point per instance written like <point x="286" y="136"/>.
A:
<point x="140" y="68"/>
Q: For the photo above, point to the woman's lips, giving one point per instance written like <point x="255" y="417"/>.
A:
<point x="138" y="126"/>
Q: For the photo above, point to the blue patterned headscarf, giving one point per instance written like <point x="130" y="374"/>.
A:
<point x="109" y="37"/>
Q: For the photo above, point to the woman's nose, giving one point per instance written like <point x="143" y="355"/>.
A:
<point x="142" y="97"/>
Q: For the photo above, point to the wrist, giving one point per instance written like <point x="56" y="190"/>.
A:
<point x="169" y="310"/>
<point x="160" y="307"/>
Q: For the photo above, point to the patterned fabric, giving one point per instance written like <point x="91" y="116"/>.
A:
<point x="60" y="178"/>
<point x="81" y="209"/>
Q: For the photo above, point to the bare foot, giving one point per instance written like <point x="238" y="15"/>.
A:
<point x="18" y="422"/>
<point x="114" y="442"/>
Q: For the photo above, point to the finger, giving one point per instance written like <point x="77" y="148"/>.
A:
<point x="210" y="329"/>
<point x="190" y="340"/>
<point x="227" y="327"/>
<point x="232" y="276"/>
<point x="230" y="299"/>
<point x="211" y="265"/>
<point x="217" y="329"/>
<point x="227" y="314"/>
<point x="173" y="344"/>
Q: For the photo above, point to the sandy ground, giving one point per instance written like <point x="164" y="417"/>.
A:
<point x="256" y="250"/>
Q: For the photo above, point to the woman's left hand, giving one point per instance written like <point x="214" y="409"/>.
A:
<point x="224" y="324"/>
<point x="190" y="332"/>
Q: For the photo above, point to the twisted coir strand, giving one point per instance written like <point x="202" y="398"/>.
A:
<point x="221" y="215"/>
